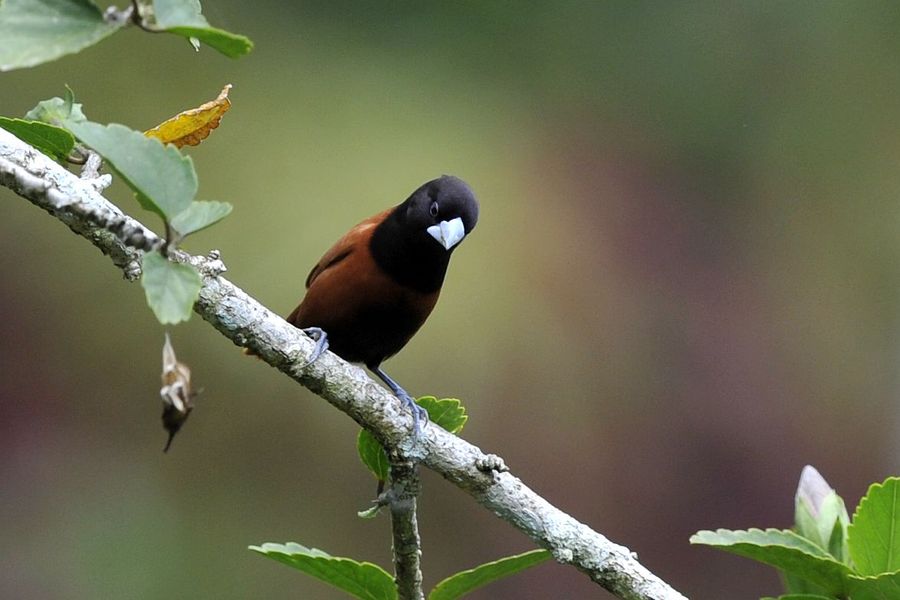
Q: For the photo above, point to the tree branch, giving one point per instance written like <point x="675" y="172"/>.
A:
<point x="401" y="497"/>
<point x="247" y="323"/>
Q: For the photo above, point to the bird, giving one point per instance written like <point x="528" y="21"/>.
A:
<point x="375" y="287"/>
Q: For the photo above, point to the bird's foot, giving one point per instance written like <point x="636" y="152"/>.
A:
<point x="419" y="414"/>
<point x="321" y="339"/>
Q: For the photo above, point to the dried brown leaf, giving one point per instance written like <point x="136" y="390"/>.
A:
<point x="175" y="392"/>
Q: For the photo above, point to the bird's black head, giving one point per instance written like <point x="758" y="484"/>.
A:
<point x="444" y="208"/>
<point x="414" y="243"/>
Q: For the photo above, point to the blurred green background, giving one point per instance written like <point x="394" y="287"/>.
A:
<point x="683" y="287"/>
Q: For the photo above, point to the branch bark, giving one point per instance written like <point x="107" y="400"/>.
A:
<point x="402" y="500"/>
<point x="247" y="323"/>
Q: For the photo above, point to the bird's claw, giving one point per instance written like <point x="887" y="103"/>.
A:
<point x="419" y="414"/>
<point x="321" y="339"/>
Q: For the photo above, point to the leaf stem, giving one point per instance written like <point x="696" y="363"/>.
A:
<point x="169" y="239"/>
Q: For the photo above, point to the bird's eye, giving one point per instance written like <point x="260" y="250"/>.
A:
<point x="434" y="209"/>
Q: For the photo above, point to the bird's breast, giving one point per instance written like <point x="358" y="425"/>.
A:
<point x="367" y="315"/>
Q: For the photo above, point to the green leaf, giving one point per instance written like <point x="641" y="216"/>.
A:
<point x="183" y="17"/>
<point x="783" y="550"/>
<point x="373" y="455"/>
<point x="38" y="31"/>
<point x="449" y="413"/>
<point x="795" y="585"/>
<point x="874" y="535"/>
<point x="359" y="579"/>
<point x="464" y="582"/>
<point x="163" y="179"/>
<point x="231" y="45"/>
<point x="883" y="587"/>
<point x="171" y="288"/>
<point x="199" y="215"/>
<point x="56" y="110"/>
<point x="52" y="141"/>
<point x="173" y="13"/>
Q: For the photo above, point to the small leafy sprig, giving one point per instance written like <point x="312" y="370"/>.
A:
<point x="826" y="556"/>
<point x="164" y="182"/>
<point x="369" y="581"/>
<point x="151" y="164"/>
<point x="366" y="580"/>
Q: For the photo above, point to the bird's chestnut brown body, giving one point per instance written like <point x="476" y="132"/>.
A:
<point x="367" y="315"/>
<point x="377" y="285"/>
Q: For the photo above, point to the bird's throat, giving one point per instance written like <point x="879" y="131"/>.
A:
<point x="411" y="258"/>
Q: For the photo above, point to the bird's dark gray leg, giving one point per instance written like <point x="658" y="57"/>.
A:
<point x="419" y="414"/>
<point x="321" y="338"/>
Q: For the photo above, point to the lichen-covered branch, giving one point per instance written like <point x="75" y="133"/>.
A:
<point x="244" y="321"/>
<point x="401" y="499"/>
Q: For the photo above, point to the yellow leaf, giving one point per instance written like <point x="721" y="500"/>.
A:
<point x="191" y="127"/>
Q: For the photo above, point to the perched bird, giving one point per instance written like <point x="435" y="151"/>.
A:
<point x="375" y="287"/>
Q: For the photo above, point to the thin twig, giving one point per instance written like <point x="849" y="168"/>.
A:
<point x="92" y="165"/>
<point x="247" y="323"/>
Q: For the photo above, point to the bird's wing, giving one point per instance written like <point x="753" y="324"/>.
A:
<point x="356" y="238"/>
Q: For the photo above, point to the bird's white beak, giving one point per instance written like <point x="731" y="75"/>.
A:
<point x="448" y="233"/>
